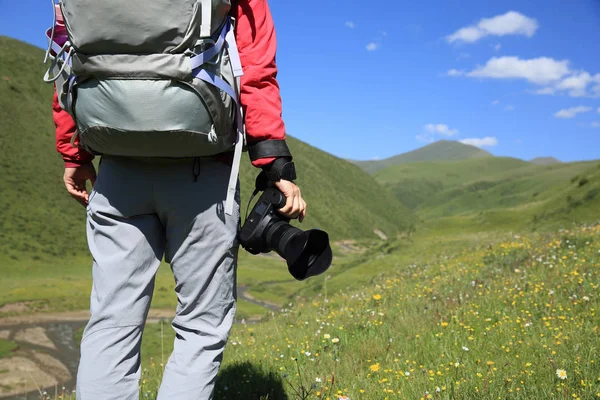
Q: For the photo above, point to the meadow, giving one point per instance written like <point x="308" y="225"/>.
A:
<point x="507" y="317"/>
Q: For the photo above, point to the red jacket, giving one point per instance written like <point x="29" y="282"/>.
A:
<point x="260" y="97"/>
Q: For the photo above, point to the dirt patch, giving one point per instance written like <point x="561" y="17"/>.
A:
<point x="36" y="336"/>
<point x="52" y="365"/>
<point x="20" y="375"/>
<point x="4" y="335"/>
<point x="349" y="247"/>
<point x="14" y="308"/>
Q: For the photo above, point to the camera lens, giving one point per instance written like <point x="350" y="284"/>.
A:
<point x="307" y="253"/>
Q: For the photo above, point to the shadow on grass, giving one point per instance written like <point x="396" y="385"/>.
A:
<point x="248" y="382"/>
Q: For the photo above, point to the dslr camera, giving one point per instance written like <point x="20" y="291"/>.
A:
<point x="307" y="253"/>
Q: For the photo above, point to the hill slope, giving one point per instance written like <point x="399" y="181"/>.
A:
<point x="545" y="161"/>
<point x="40" y="220"/>
<point x="443" y="150"/>
<point x="504" y="191"/>
<point x="416" y="184"/>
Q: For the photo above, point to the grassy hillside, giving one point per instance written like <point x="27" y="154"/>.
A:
<point x="40" y="220"/>
<point x="496" y="193"/>
<point x="545" y="161"/>
<point x="443" y="150"/>
<point x="417" y="183"/>
<point x="539" y="186"/>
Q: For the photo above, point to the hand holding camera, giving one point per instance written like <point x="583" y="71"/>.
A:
<point x="267" y="228"/>
<point x="295" y="206"/>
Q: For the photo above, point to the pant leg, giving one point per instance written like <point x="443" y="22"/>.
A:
<point x="202" y="248"/>
<point x="126" y="240"/>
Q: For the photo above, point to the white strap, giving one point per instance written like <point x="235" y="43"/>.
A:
<point x="206" y="26"/>
<point x="235" y="170"/>
<point x="234" y="54"/>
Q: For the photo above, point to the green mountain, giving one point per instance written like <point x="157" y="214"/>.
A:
<point x="545" y="161"/>
<point x="417" y="183"/>
<point x="40" y="220"/>
<point x="514" y="191"/>
<point x="442" y="150"/>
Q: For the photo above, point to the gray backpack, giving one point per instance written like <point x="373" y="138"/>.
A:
<point x="150" y="78"/>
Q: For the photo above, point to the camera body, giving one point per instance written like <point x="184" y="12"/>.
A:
<point x="307" y="253"/>
<point x="263" y="215"/>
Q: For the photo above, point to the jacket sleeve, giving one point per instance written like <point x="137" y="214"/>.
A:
<point x="260" y="95"/>
<point x="65" y="128"/>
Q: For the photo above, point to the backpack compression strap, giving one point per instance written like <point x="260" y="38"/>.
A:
<point x="226" y="38"/>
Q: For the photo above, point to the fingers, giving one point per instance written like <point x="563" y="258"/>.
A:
<point x="295" y="206"/>
<point x="302" y="211"/>
<point x="81" y="195"/>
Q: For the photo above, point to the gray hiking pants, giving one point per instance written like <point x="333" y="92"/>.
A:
<point x="138" y="213"/>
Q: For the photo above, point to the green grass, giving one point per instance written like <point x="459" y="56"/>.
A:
<point x="416" y="183"/>
<point x="480" y="322"/>
<point x="442" y="150"/>
<point x="496" y="193"/>
<point x="7" y="347"/>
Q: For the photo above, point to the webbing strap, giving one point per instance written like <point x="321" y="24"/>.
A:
<point x="225" y="37"/>
<point x="207" y="55"/>
<point x="66" y="63"/>
<point x="205" y="28"/>
<point x="237" y="155"/>
<point x="52" y="45"/>
<point x="214" y="80"/>
<point x="50" y="32"/>
<point x="234" y="54"/>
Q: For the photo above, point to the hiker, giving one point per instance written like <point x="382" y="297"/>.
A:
<point x="180" y="207"/>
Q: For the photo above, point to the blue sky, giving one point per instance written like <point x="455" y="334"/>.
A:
<point x="368" y="80"/>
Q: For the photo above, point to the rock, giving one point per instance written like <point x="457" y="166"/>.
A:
<point x="53" y="366"/>
<point x="20" y="375"/>
<point x="36" y="336"/>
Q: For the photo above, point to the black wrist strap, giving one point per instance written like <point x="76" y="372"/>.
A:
<point x="268" y="148"/>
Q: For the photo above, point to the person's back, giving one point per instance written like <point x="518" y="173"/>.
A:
<point x="150" y="201"/>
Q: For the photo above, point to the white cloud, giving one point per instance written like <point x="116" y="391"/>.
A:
<point x="455" y="72"/>
<point x="372" y="46"/>
<point x="350" y="24"/>
<point x="577" y="84"/>
<point x="487" y="141"/>
<point x="598" y="110"/>
<point x="441" y="129"/>
<point x="509" y="107"/>
<point x="497" y="47"/>
<point x="572" y="112"/>
<point x="495" y="102"/>
<point x="545" y="91"/>
<point x="596" y="124"/>
<point x="511" y="23"/>
<point x="541" y="70"/>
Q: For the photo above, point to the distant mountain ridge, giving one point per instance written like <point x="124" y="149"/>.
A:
<point x="545" y="161"/>
<point x="442" y="150"/>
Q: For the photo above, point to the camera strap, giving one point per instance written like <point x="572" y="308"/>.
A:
<point x="260" y="185"/>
